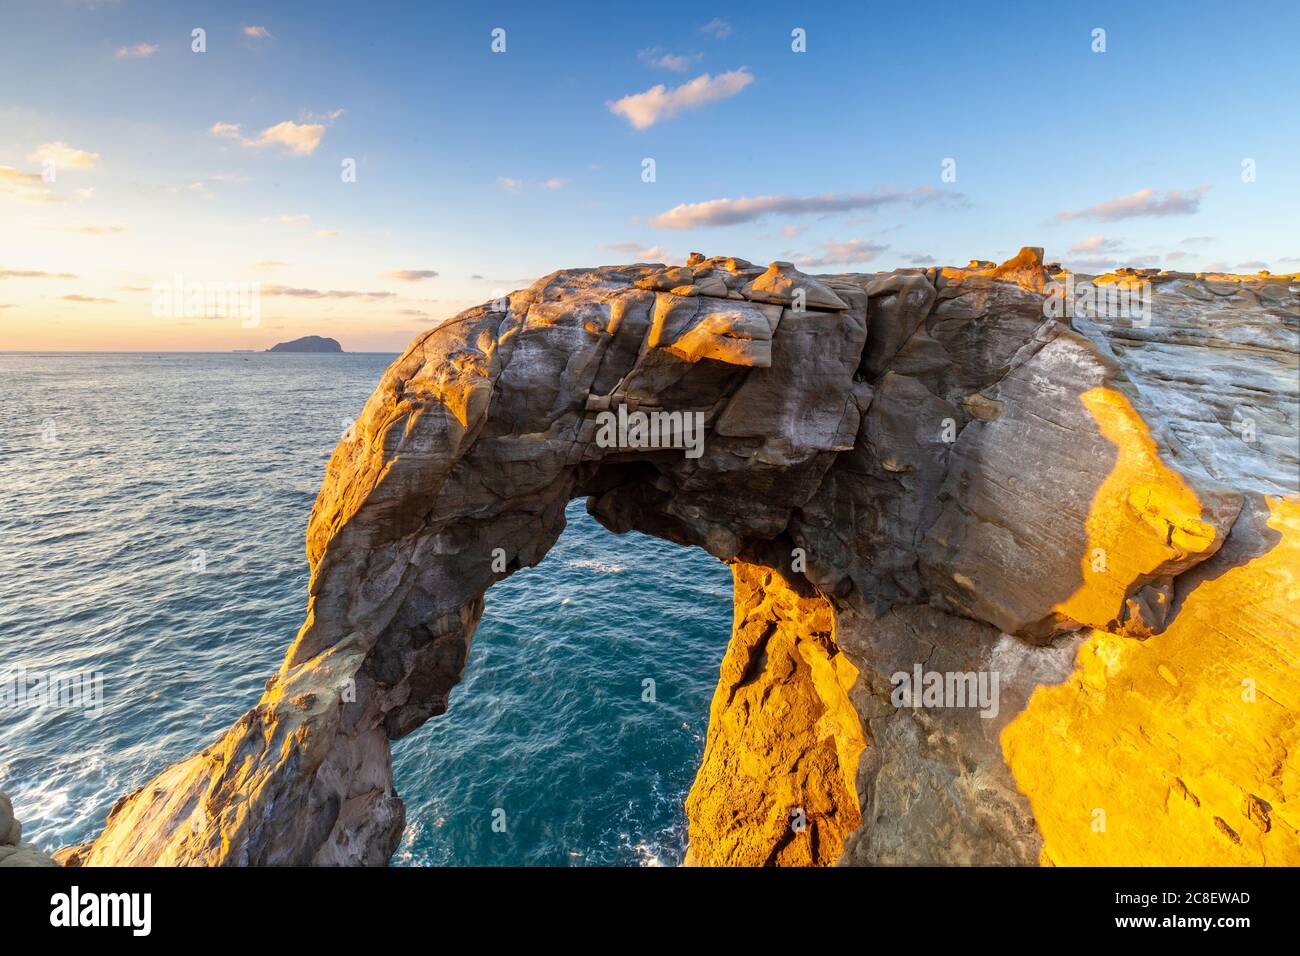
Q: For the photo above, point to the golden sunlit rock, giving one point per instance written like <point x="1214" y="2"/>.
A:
<point x="1183" y="748"/>
<point x="777" y="785"/>
<point x="1014" y="578"/>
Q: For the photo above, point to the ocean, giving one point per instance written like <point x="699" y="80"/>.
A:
<point x="153" y="509"/>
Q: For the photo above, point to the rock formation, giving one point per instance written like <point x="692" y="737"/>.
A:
<point x="308" y="343"/>
<point x="1014" y="576"/>
<point x="13" y="851"/>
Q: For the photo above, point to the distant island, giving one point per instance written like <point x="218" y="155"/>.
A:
<point x="308" y="343"/>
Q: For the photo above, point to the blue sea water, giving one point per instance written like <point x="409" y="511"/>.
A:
<point x="152" y="518"/>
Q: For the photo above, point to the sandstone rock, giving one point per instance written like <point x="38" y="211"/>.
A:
<point x="13" y="852"/>
<point x="780" y="283"/>
<point x="927" y="472"/>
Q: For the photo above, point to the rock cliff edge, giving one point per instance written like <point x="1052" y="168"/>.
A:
<point x="1084" y="522"/>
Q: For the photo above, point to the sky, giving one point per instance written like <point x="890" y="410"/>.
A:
<point x="375" y="168"/>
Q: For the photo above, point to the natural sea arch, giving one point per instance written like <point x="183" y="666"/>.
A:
<point x="581" y="717"/>
<point x="865" y="478"/>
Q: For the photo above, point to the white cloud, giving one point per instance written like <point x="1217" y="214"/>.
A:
<point x="719" y="28"/>
<point x="555" y="183"/>
<point x="257" y="33"/>
<point x="645" y="109"/>
<point x="64" y="156"/>
<point x="326" y="233"/>
<point x="666" y="60"/>
<point x="1097" y="243"/>
<point x="639" y="253"/>
<point x="27" y="187"/>
<point x="1091" y="265"/>
<point x="842" y="253"/>
<point x="137" y="52"/>
<point x="792" y="231"/>
<point x="301" y="139"/>
<point x="297" y="293"/>
<point x="728" y="212"/>
<point x="412" y="275"/>
<point x="1144" y="202"/>
<point x="509" y="184"/>
<point x="32" y="274"/>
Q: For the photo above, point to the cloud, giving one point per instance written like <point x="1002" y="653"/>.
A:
<point x="298" y="293"/>
<point x="636" y="252"/>
<point x="98" y="230"/>
<point x="645" y="109"/>
<point x="28" y="187"/>
<point x="665" y="60"/>
<point x="194" y="187"/>
<point x="87" y="298"/>
<point x="301" y="139"/>
<point x="795" y="230"/>
<point x="555" y="183"/>
<point x="1092" y="265"/>
<point x="1097" y="243"/>
<point x="719" y="28"/>
<point x="920" y="259"/>
<point x="28" y="274"/>
<point x="268" y="265"/>
<point x="412" y="275"/>
<point x="257" y="33"/>
<point x="64" y="156"/>
<point x="301" y="217"/>
<point x="326" y="233"/>
<point x="842" y="253"/>
<point x="137" y="52"/>
<point x="327" y="118"/>
<point x="510" y="184"/>
<point x="729" y="212"/>
<point x="1177" y="255"/>
<point x="1144" y="202"/>
<point x="1196" y="241"/>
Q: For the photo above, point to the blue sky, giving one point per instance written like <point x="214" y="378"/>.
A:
<point x="493" y="168"/>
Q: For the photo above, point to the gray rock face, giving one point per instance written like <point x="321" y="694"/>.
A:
<point x="923" y="469"/>
<point x="13" y="852"/>
<point x="308" y="343"/>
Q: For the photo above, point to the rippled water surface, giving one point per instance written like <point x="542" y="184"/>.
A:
<point x="152" y="515"/>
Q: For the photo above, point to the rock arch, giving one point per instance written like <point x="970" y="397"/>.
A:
<point x="865" y="473"/>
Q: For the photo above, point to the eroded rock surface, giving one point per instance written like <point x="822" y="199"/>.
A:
<point x="13" y="851"/>
<point x="946" y="471"/>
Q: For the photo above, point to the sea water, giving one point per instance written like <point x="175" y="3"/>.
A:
<point x="152" y="517"/>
